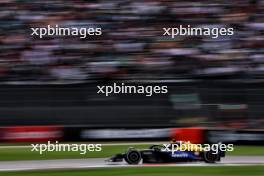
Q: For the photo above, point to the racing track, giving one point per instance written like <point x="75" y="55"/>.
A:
<point x="99" y="163"/>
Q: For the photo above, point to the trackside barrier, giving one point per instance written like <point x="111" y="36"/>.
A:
<point x="236" y="136"/>
<point x="194" y="134"/>
<point x="82" y="133"/>
<point x="31" y="133"/>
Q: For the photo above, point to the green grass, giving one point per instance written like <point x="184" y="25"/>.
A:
<point x="150" y="171"/>
<point x="11" y="154"/>
<point x="247" y="150"/>
<point x="8" y="154"/>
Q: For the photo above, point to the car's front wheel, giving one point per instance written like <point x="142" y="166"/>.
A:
<point x="133" y="156"/>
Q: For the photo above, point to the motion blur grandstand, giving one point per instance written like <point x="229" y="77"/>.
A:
<point x="132" y="46"/>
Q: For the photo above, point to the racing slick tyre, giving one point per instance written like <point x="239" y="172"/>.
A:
<point x="210" y="157"/>
<point x="133" y="156"/>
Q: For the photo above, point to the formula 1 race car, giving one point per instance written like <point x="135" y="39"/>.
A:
<point x="168" y="154"/>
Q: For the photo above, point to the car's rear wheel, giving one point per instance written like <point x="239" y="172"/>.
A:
<point x="210" y="157"/>
<point x="133" y="156"/>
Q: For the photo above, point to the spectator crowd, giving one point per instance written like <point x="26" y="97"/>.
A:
<point x="132" y="45"/>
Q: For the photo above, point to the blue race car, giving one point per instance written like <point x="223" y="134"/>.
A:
<point x="165" y="154"/>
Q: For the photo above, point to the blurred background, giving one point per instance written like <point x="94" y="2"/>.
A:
<point x="213" y="83"/>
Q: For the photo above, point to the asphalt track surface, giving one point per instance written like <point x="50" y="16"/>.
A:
<point x="100" y="163"/>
